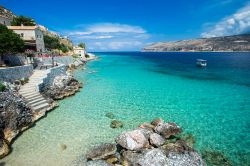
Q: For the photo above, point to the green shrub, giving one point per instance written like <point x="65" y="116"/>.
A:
<point x="2" y="87"/>
<point x="87" y="55"/>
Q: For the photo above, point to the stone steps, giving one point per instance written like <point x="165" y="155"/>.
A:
<point x="31" y="94"/>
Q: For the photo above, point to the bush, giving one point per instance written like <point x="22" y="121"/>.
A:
<point x="2" y="87"/>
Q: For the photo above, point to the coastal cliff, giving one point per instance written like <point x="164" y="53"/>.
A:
<point x="227" y="43"/>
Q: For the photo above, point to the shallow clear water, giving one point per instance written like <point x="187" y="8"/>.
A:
<point x="212" y="103"/>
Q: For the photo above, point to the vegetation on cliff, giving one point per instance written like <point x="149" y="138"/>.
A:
<point x="22" y="20"/>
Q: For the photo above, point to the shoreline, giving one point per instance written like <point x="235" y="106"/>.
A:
<point x="72" y="86"/>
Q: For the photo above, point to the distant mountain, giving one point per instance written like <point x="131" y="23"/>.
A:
<point x="227" y="43"/>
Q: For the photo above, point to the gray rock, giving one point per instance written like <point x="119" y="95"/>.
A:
<point x="97" y="163"/>
<point x="167" y="129"/>
<point x="131" y="157"/>
<point x="132" y="140"/>
<point x="156" y="139"/>
<point x="184" y="159"/>
<point x="152" y="157"/>
<point x="101" y="151"/>
<point x="157" y="121"/>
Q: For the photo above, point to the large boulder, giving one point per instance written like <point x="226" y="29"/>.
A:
<point x="156" y="139"/>
<point x="185" y="159"/>
<point x="152" y="157"/>
<point x="132" y="140"/>
<point x="101" y="151"/>
<point x="167" y="129"/>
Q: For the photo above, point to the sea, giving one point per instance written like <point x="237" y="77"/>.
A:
<point x="212" y="103"/>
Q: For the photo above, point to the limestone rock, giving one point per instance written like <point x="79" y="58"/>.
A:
<point x="157" y="121"/>
<point x="156" y="139"/>
<point x="4" y="149"/>
<point x="132" y="140"/>
<point x="153" y="157"/>
<point x="101" y="151"/>
<point x="167" y="129"/>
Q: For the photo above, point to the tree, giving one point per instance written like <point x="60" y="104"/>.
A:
<point x="54" y="43"/>
<point x="22" y="20"/>
<point x="51" y="42"/>
<point x="82" y="45"/>
<point x="10" y="42"/>
<point x="64" y="48"/>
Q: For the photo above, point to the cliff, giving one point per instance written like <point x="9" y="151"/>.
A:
<point x="227" y="43"/>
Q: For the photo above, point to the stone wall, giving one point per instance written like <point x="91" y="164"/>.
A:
<point x="63" y="60"/>
<point x="52" y="73"/>
<point x="11" y="74"/>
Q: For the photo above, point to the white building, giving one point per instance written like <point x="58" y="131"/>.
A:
<point x="32" y="36"/>
<point x="5" y="20"/>
<point x="80" y="51"/>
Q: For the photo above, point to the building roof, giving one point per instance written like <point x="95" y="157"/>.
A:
<point x="22" y="27"/>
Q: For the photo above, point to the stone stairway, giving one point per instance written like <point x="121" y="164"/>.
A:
<point x="32" y="95"/>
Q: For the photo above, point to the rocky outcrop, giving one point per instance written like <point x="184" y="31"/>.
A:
<point x="149" y="145"/>
<point x="226" y="43"/>
<point x="15" y="116"/>
<point x="63" y="86"/>
<point x="101" y="151"/>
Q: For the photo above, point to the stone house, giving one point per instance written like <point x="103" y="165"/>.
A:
<point x="79" y="51"/>
<point x="32" y="36"/>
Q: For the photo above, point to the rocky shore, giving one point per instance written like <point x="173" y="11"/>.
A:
<point x="63" y="86"/>
<point x="16" y="115"/>
<point x="152" y="144"/>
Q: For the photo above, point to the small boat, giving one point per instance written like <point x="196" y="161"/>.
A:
<point x="201" y="62"/>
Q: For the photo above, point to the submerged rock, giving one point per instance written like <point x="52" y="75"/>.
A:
<point x="116" y="124"/>
<point x="110" y="115"/>
<point x="189" y="139"/>
<point x="167" y="129"/>
<point x="216" y="158"/>
<point x="132" y="140"/>
<point x="101" y="151"/>
<point x="146" y="146"/>
<point x="63" y="147"/>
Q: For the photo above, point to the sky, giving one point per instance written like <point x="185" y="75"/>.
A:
<point x="129" y="25"/>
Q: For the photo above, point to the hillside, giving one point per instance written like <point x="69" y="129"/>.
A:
<point x="227" y="43"/>
<point x="6" y="13"/>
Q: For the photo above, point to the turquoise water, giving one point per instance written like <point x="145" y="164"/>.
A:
<point x="212" y="103"/>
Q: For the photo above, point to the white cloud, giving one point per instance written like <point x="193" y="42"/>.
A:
<point x="109" y="28"/>
<point x="110" y="36"/>
<point x="117" y="45"/>
<point x="237" y="23"/>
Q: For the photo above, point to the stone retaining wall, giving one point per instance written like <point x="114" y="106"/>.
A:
<point x="10" y="74"/>
<point x="52" y="73"/>
<point x="62" y="60"/>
